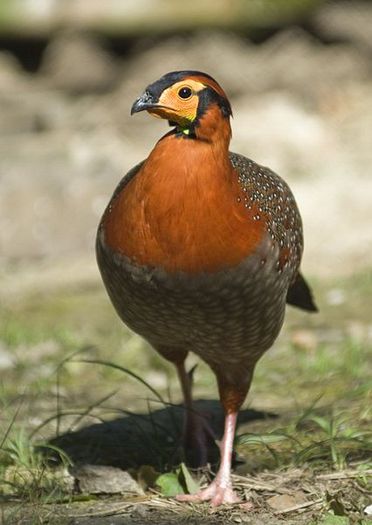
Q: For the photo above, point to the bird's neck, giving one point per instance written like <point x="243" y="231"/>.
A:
<point x="214" y="128"/>
<point x="183" y="210"/>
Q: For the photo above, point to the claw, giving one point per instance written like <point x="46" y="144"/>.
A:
<point x="214" y="493"/>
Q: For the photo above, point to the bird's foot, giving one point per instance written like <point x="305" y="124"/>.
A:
<point x="215" y="493"/>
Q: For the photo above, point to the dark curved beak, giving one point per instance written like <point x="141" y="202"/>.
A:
<point x="145" y="101"/>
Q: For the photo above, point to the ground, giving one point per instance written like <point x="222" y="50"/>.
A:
<point x="77" y="388"/>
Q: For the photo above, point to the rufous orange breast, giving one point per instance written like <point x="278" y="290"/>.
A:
<point x="183" y="211"/>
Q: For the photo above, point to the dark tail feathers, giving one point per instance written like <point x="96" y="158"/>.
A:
<point x="300" y="295"/>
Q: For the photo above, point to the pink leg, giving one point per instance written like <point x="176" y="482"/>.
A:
<point x="220" y="491"/>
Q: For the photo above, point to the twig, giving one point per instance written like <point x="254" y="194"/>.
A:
<point x="108" y="512"/>
<point x="346" y="474"/>
<point x="299" y="506"/>
<point x="122" y="507"/>
<point x="242" y="481"/>
<point x="170" y="504"/>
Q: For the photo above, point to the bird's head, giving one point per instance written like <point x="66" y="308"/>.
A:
<point x="190" y="100"/>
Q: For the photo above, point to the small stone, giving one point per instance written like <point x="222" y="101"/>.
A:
<point x="100" y="479"/>
<point x="282" y="502"/>
<point x="141" y="511"/>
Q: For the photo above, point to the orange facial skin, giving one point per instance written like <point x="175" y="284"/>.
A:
<point x="175" y="108"/>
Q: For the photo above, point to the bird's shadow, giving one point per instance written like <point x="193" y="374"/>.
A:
<point x="144" y="439"/>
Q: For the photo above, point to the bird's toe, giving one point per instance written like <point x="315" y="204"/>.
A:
<point x="224" y="496"/>
<point x="215" y="493"/>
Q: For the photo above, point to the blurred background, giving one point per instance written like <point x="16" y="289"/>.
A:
<point x="299" y="77"/>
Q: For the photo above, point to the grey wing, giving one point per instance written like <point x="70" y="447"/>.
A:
<point x="273" y="197"/>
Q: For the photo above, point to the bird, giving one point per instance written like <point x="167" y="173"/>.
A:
<point x="200" y="249"/>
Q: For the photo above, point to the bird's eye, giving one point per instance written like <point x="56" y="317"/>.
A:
<point x="185" y="92"/>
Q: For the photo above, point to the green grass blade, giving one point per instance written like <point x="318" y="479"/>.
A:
<point x="122" y="369"/>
